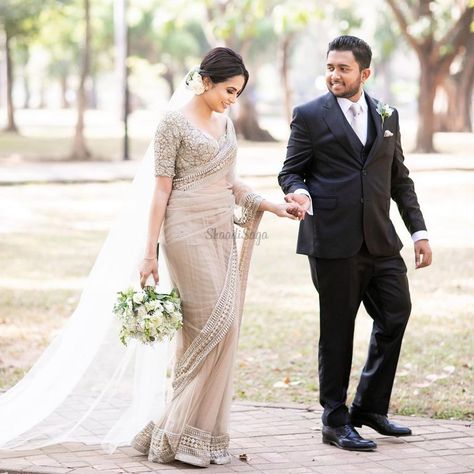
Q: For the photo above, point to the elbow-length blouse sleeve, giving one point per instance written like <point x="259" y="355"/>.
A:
<point x="244" y="198"/>
<point x="166" y="143"/>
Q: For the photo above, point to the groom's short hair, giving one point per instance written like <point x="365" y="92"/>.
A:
<point x="360" y="49"/>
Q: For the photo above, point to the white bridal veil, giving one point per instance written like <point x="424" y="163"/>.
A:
<point x="86" y="386"/>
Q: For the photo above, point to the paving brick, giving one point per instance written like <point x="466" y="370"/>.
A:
<point x="242" y="467"/>
<point x="49" y="470"/>
<point x="136" y="469"/>
<point x="89" y="470"/>
<point x="14" y="464"/>
<point x="106" y="467"/>
<point x="467" y="461"/>
<point x="468" y="441"/>
<point x="276" y="439"/>
<point x="76" y="464"/>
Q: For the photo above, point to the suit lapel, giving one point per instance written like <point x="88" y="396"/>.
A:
<point x="340" y="127"/>
<point x="377" y="120"/>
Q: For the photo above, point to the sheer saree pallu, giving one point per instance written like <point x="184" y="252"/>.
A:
<point x="210" y="270"/>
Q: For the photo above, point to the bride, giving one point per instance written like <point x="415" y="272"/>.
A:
<point x="87" y="387"/>
<point x="195" y="192"/>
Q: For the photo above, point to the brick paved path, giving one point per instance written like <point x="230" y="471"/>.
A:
<point x="278" y="439"/>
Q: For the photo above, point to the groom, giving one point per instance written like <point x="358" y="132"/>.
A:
<point x="344" y="164"/>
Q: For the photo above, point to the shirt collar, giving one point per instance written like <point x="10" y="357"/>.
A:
<point x="346" y="103"/>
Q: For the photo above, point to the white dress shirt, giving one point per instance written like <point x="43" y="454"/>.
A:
<point x="345" y="105"/>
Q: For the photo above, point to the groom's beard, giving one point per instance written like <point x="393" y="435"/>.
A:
<point x="345" y="92"/>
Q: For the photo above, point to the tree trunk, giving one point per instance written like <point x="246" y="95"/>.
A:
<point x="27" y="91"/>
<point x="42" y="94"/>
<point x="426" y="96"/>
<point x="91" y="95"/>
<point x="64" y="86"/>
<point x="458" y="88"/>
<point x="465" y="97"/>
<point x="283" y="59"/>
<point x="11" y="125"/>
<point x="168" y="76"/>
<point x="80" y="151"/>
<point x="246" y="123"/>
<point x="383" y="73"/>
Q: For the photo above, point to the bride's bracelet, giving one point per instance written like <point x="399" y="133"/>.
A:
<point x="157" y="253"/>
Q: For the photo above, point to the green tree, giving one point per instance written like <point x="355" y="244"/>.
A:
<point x="386" y="43"/>
<point x="242" y="26"/>
<point x="60" y="36"/>
<point x="436" y="30"/>
<point x="18" y="19"/>
<point x="166" y="37"/>
<point x="290" y="18"/>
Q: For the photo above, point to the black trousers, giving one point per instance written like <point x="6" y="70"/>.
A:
<point x="381" y="284"/>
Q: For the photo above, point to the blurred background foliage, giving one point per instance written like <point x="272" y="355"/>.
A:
<point x="61" y="54"/>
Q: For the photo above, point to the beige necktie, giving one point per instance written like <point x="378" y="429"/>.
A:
<point x="356" y="122"/>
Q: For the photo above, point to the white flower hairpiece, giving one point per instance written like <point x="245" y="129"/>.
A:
<point x="194" y="81"/>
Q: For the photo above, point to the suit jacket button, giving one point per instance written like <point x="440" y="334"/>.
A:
<point x="362" y="200"/>
<point x="364" y="172"/>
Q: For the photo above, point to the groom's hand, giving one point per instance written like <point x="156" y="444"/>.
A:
<point x="303" y="202"/>
<point x="423" y="254"/>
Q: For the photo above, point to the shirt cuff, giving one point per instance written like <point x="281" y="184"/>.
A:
<point x="420" y="235"/>
<point x="303" y="191"/>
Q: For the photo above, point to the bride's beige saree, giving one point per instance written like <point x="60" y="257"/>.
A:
<point x="208" y="262"/>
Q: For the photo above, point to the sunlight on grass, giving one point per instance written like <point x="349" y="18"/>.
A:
<point x="55" y="232"/>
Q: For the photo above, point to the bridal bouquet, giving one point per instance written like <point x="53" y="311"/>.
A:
<point x="147" y="315"/>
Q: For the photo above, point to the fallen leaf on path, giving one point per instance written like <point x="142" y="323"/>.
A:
<point x="286" y="382"/>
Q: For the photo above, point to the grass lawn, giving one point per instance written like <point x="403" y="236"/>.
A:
<point x="50" y="235"/>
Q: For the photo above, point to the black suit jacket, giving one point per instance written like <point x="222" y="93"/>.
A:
<point x="351" y="192"/>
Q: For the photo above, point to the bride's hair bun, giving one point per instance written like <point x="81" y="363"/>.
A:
<point x="220" y="64"/>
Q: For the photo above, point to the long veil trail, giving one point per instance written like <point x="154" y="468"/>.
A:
<point x="86" y="386"/>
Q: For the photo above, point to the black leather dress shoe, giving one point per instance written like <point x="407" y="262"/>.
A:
<point x="378" y="423"/>
<point x="346" y="437"/>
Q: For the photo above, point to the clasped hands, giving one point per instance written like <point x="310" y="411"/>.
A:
<point x="299" y="205"/>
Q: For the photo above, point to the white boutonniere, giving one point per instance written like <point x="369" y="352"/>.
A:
<point x="194" y="81"/>
<point x="384" y="110"/>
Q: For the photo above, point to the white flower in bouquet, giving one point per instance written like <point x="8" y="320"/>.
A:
<point x="141" y="311"/>
<point x="175" y="317"/>
<point x="147" y="315"/>
<point x="138" y="297"/>
<point x="157" y="320"/>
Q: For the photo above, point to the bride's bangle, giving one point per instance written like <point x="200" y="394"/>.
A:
<point x="149" y="258"/>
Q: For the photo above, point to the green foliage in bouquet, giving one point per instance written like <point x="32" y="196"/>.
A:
<point x="147" y="315"/>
